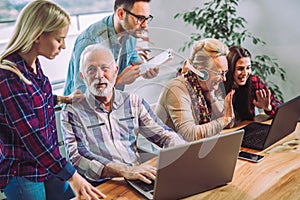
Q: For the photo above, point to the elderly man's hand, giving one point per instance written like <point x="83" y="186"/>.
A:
<point x="143" y="172"/>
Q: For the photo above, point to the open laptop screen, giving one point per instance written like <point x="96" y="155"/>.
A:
<point x="195" y="167"/>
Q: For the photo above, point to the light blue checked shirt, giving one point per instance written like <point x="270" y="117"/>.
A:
<point x="95" y="137"/>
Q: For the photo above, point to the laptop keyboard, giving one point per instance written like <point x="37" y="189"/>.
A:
<point x="255" y="135"/>
<point x="144" y="186"/>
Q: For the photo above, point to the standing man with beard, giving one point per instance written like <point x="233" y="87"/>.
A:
<point x="118" y="32"/>
<point x="101" y="131"/>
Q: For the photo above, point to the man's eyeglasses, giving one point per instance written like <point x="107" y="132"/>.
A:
<point x="140" y="19"/>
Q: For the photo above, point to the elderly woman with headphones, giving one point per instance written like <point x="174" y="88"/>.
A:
<point x="194" y="104"/>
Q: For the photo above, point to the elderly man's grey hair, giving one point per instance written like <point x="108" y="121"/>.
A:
<point x="90" y="48"/>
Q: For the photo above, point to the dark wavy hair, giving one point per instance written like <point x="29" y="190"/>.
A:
<point x="243" y="94"/>
<point x="127" y="4"/>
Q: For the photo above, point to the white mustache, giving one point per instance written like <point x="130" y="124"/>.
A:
<point x="98" y="81"/>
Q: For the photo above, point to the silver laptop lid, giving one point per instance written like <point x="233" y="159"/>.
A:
<point x="197" y="166"/>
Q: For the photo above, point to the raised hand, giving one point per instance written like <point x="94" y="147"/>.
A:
<point x="228" y="107"/>
<point x="263" y="99"/>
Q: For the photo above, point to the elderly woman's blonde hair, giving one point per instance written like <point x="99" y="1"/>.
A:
<point x="205" y="50"/>
<point x="36" y="18"/>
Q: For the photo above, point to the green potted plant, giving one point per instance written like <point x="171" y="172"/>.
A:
<point x="218" y="19"/>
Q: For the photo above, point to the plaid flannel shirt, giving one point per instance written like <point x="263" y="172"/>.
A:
<point x="28" y="136"/>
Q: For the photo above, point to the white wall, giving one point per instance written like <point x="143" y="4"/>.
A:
<point x="274" y="21"/>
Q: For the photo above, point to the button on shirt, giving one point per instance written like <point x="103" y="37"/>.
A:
<point x="95" y="137"/>
<point x="101" y="32"/>
<point x="28" y="137"/>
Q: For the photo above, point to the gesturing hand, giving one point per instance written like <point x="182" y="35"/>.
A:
<point x="151" y="73"/>
<point x="128" y="75"/>
<point x="229" y="112"/>
<point x="263" y="99"/>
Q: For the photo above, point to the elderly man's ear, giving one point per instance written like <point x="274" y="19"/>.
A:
<point x="117" y="69"/>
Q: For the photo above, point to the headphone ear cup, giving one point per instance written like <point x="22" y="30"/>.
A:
<point x="205" y="75"/>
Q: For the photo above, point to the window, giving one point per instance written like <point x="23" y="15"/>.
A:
<point x="83" y="13"/>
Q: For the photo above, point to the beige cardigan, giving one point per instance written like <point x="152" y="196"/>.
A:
<point x="174" y="108"/>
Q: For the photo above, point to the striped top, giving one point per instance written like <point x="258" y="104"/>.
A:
<point x="95" y="137"/>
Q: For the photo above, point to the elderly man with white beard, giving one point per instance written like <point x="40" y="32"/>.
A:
<point x="100" y="132"/>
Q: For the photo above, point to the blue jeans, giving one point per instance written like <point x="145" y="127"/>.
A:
<point x="20" y="188"/>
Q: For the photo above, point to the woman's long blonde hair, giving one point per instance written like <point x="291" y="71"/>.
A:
<point x="36" y="18"/>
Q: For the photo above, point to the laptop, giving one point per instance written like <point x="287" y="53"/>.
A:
<point x="194" y="167"/>
<point x="259" y="136"/>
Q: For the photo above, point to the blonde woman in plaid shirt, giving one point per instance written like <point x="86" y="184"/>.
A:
<point x="31" y="165"/>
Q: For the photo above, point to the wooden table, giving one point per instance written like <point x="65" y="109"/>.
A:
<point x="276" y="177"/>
